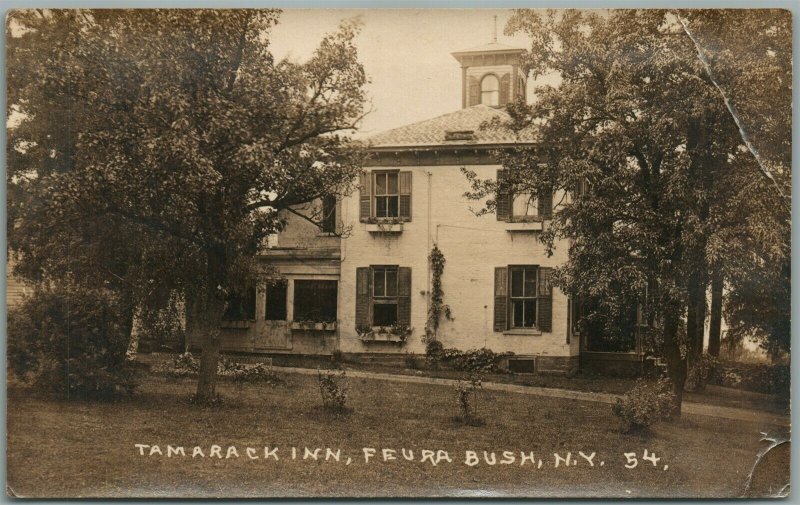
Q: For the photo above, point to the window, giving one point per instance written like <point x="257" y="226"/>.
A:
<point x="523" y="297"/>
<point x="276" y="301"/>
<point x="384" y="296"/>
<point x="490" y="90"/>
<point x="524" y="206"/>
<point x="315" y="300"/>
<point x="241" y="306"/>
<point x="387" y="195"/>
<point x="329" y="214"/>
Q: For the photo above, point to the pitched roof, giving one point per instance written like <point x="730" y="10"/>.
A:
<point x="434" y="132"/>
<point x="491" y="46"/>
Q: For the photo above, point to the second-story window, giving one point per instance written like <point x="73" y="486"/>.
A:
<point x="329" y="214"/>
<point x="386" y="194"/>
<point x="524" y="206"/>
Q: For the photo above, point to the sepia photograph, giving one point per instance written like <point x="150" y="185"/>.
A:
<point x="392" y="253"/>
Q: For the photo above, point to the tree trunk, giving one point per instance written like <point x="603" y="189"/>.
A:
<point x="676" y="364"/>
<point x="208" y="325"/>
<point x="714" y="333"/>
<point x="696" y="315"/>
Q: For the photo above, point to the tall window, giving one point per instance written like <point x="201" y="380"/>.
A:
<point x="329" y="214"/>
<point x="523" y="296"/>
<point x="384" y="296"/>
<point x="490" y="90"/>
<point x="276" y="301"/>
<point x="315" y="300"/>
<point x="387" y="195"/>
<point x="241" y="306"/>
<point x="524" y="206"/>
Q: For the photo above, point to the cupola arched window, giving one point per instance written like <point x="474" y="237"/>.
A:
<point x="490" y="90"/>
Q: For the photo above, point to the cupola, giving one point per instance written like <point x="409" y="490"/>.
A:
<point x="491" y="74"/>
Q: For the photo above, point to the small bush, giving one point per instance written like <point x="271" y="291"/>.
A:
<point x="71" y="342"/>
<point x="411" y="361"/>
<point x="333" y="388"/>
<point x="646" y="404"/>
<point x="756" y="377"/>
<point x="474" y="360"/>
<point x="700" y="372"/>
<point x="467" y="396"/>
<point x="186" y="365"/>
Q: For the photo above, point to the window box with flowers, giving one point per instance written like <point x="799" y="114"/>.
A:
<point x="393" y="334"/>
<point x="314" y="325"/>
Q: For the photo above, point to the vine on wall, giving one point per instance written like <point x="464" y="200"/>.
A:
<point x="437" y="308"/>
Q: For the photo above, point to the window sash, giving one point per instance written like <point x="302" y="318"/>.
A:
<point x="522" y="296"/>
<point x="384" y="283"/>
<point x="386" y="195"/>
<point x="523" y="205"/>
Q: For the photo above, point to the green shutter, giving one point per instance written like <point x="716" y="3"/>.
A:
<point x="365" y="195"/>
<point x="363" y="296"/>
<point x="404" y="187"/>
<point x="404" y="296"/>
<point x="502" y="199"/>
<point x="505" y="89"/>
<point x="500" y="298"/>
<point x="545" y="300"/>
<point x="546" y="205"/>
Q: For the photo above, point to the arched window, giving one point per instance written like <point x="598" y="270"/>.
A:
<point x="490" y="90"/>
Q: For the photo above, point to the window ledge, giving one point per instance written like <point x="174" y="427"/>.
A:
<point x="300" y="325"/>
<point x="523" y="226"/>
<point x="385" y="227"/>
<point x="523" y="331"/>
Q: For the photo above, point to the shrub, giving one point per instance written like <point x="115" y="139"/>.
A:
<point x="333" y="388"/>
<point x="467" y="396"/>
<point x="757" y="377"/>
<point x="646" y="404"/>
<point x="161" y="327"/>
<point x="700" y="372"/>
<point x="72" y="342"/>
<point x="474" y="360"/>
<point x="186" y="365"/>
<point x="411" y="361"/>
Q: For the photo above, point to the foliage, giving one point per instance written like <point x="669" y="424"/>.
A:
<point x="162" y="325"/>
<point x="433" y="349"/>
<point x="411" y="361"/>
<point x="654" y="186"/>
<point x="186" y="365"/>
<point x="437" y="307"/>
<point x="187" y="135"/>
<point x="700" y="372"/>
<point x="481" y="360"/>
<point x="760" y="378"/>
<point x="333" y="388"/>
<point x="647" y="403"/>
<point x="467" y="391"/>
<point x="70" y="342"/>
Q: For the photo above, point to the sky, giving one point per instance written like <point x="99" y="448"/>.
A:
<point x="405" y="53"/>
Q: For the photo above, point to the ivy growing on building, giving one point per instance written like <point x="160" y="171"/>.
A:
<point x="437" y="307"/>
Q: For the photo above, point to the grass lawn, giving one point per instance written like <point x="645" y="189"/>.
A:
<point x="87" y="449"/>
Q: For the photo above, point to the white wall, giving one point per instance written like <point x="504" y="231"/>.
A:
<point x="472" y="247"/>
